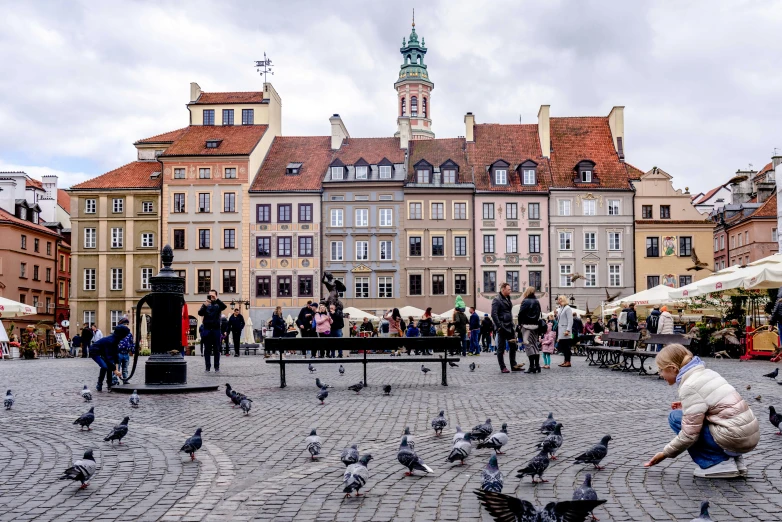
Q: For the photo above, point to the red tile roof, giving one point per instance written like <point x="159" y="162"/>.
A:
<point x="634" y="172"/>
<point x="166" y="137"/>
<point x="586" y="138"/>
<point x="33" y="183"/>
<point x="513" y="144"/>
<point x="438" y="151"/>
<point x="765" y="169"/>
<point x="236" y="140"/>
<point x="229" y="97"/>
<point x="6" y="217"/>
<point x="64" y="200"/>
<point x="135" y="175"/>
<point x="373" y="150"/>
<point x="769" y="208"/>
<point x="709" y="194"/>
<point x="313" y="152"/>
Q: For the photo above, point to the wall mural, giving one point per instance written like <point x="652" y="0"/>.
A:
<point x="669" y="246"/>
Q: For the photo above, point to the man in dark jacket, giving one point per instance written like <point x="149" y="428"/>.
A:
<point x="487" y="331"/>
<point x="776" y="313"/>
<point x="653" y="320"/>
<point x="337" y="324"/>
<point x="529" y="322"/>
<point x="225" y="335"/>
<point x="236" y="325"/>
<point x="502" y="316"/>
<point x="459" y="324"/>
<point x="211" y="311"/>
<point x="304" y="321"/>
<point x="105" y="353"/>
<point x="578" y="326"/>
<point x="475" y="332"/>
<point x="632" y="318"/>
<point x="86" y="340"/>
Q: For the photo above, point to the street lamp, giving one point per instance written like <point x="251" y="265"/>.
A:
<point x="572" y="300"/>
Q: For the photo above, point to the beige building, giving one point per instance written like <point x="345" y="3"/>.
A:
<point x="668" y="229"/>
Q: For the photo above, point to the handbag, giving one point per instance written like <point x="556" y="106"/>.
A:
<point x="542" y="327"/>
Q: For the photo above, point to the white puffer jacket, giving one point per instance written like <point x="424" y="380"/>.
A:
<point x="665" y="323"/>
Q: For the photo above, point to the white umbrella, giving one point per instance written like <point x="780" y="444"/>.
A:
<point x="728" y="281"/>
<point x="448" y="314"/>
<point x="692" y="290"/>
<point x="143" y="340"/>
<point x="10" y="308"/>
<point x="248" y="335"/>
<point x="657" y="295"/>
<point x="407" y="311"/>
<point x="356" y="314"/>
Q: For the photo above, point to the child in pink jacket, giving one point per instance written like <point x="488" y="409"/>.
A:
<point x="547" y="346"/>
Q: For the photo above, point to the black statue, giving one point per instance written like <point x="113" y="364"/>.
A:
<point x="334" y="286"/>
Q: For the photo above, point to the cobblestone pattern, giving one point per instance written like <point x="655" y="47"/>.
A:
<point x="257" y="467"/>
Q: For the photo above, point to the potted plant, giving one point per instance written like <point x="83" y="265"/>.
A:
<point x="30" y="345"/>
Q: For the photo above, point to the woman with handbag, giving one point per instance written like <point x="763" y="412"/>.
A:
<point x="529" y="321"/>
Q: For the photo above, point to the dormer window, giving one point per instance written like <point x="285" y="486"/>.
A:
<point x="528" y="177"/>
<point x="499" y="172"/>
<point x="23" y="213"/>
<point x="449" y="176"/>
<point x="212" y="144"/>
<point x="385" y="171"/>
<point x="337" y="173"/>
<point x="293" y="169"/>
<point x="34" y="216"/>
<point x="585" y="172"/>
<point x="449" y="171"/>
<point x="528" y="172"/>
<point x="422" y="176"/>
<point x="361" y="172"/>
<point x="586" y="176"/>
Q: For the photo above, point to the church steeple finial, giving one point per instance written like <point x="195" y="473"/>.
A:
<point x="413" y="16"/>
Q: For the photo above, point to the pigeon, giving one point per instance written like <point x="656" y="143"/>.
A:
<point x="356" y="476"/>
<point x="311" y="368"/>
<point x="81" y="470"/>
<point x="9" y="400"/>
<point x="492" y="476"/>
<point x="773" y="374"/>
<point x="192" y="444"/>
<point x="536" y="466"/>
<point x="408" y="458"/>
<point x="349" y="455"/>
<point x="86" y="419"/>
<point x="459" y="434"/>
<point x="322" y="384"/>
<point x="313" y="444"/>
<point x="553" y="441"/>
<point x="481" y="431"/>
<point x="357" y="387"/>
<point x="461" y="450"/>
<point x="595" y="454"/>
<point x="118" y="432"/>
<point x="549" y="424"/>
<point x="134" y="399"/>
<point x="439" y="422"/>
<point x="509" y="508"/>
<point x="704" y="512"/>
<point x="425" y="369"/>
<point x="497" y="440"/>
<point x="246" y="404"/>
<point x="228" y="391"/>
<point x="322" y="394"/>
<point x="453" y="364"/>
<point x="585" y="492"/>
<point x="236" y="398"/>
<point x="775" y="418"/>
<point x="759" y="398"/>
<point x="86" y="393"/>
<point x="409" y="436"/>
<point x="387" y="389"/>
<point x="341" y="371"/>
<point x="749" y="387"/>
<point x="472" y="366"/>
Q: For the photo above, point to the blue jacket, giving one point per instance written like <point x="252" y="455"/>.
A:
<point x="108" y="346"/>
<point x="475" y="321"/>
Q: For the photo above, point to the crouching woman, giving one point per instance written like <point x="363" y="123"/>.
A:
<point x="713" y="423"/>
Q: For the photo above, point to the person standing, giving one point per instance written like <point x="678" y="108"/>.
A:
<point x="564" y="329"/>
<point x="487" y="332"/>
<point x="653" y="321"/>
<point x="125" y="349"/>
<point x="394" y="323"/>
<point x="632" y="318"/>
<point x="97" y="335"/>
<point x="75" y="344"/>
<point x="613" y="323"/>
<point x="460" y="322"/>
<point x="337" y="325"/>
<point x="235" y="326"/>
<point x="86" y="341"/>
<point x="225" y="335"/>
<point x="211" y="311"/>
<point x="502" y="316"/>
<point x="366" y="326"/>
<point x="425" y="324"/>
<point x="665" y="325"/>
<point x="304" y="321"/>
<point x="547" y="346"/>
<point x="529" y="321"/>
<point x="323" y="322"/>
<point x="475" y="332"/>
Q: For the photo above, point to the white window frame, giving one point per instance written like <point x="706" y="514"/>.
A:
<point x="337" y="217"/>
<point x="89" y="279"/>
<point x="586" y="176"/>
<point x="537" y="210"/>
<point x="722" y="243"/>
<point x="147" y="207"/>
<point x="385" y="171"/>
<point x="386" y="250"/>
<point x="590" y="207"/>
<point x="565" y="270"/>
<point x="146" y="273"/>
<point x="717" y="243"/>
<point x="337" y="173"/>
<point x="362" y="172"/>
<point x="614" y="275"/>
<point x="117" y="237"/>
<point x="455" y="242"/>
<point x="590" y="245"/>
<point x="147" y="239"/>
<point x="564" y="207"/>
<point x="229" y="173"/>
<point x="90" y="237"/>
<point x="362" y="218"/>
<point x="512" y="244"/>
<point x="205" y="173"/>
<point x="590" y="276"/>
<point x="500" y="177"/>
<point x="385" y="281"/>
<point x="450" y="173"/>
<point x="774" y="235"/>
<point x="337" y="251"/>
<point x="419" y="213"/>
<point x="529" y="177"/>
<point x="364" y="292"/>
<point x="614" y="207"/>
<point x="441" y="206"/>
<point x="118" y="205"/>
<point x="618" y="237"/>
<point x="88" y="316"/>
<point x="116" y="279"/>
<point x="511" y="208"/>
<point x="422" y="176"/>
<point x="386" y="217"/>
<point x="362" y="250"/>
<point x="565" y="241"/>
<point x="115" y="316"/>
<point x="90" y="206"/>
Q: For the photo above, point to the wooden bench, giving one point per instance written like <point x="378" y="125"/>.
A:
<point x="609" y="353"/>
<point x="250" y="348"/>
<point x="628" y="356"/>
<point x="436" y="344"/>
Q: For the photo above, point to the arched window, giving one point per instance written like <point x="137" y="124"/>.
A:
<point x="413" y="106"/>
<point x="404" y="107"/>
<point x="423" y="106"/>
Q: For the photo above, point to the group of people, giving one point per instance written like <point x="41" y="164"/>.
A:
<point x="88" y="335"/>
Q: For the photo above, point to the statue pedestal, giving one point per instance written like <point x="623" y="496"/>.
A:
<point x="165" y="369"/>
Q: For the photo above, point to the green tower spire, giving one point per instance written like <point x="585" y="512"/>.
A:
<point x="413" y="52"/>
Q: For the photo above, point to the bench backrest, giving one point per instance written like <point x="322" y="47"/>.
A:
<point x="619" y="338"/>
<point x="438" y="344"/>
<point x="666" y="339"/>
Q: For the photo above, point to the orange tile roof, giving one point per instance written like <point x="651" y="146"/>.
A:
<point x="313" y="152"/>
<point x="239" y="140"/>
<point x="33" y="183"/>
<point x="7" y="217"/>
<point x="166" y="137"/>
<point x="64" y="200"/>
<point x="574" y="139"/>
<point x="438" y="151"/>
<point x="633" y="171"/>
<point x="765" y="169"/>
<point x="373" y="150"/>
<point x="514" y="144"/>
<point x="229" y="97"/>
<point x="769" y="208"/>
<point x="709" y="194"/>
<point x="134" y="175"/>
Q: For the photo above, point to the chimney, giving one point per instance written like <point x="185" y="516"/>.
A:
<point x="48" y="202"/>
<point x="195" y="92"/>
<point x="469" y="124"/>
<point x="616" y="122"/>
<point x="404" y="133"/>
<point x="338" y="132"/>
<point x="8" y="194"/>
<point x="775" y="160"/>
<point x="544" y="131"/>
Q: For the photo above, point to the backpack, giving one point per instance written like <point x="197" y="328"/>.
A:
<point x="623" y="319"/>
<point x="652" y="323"/>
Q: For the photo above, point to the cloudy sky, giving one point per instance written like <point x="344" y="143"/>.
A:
<point x="701" y="81"/>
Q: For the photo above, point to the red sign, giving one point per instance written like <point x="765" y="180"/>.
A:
<point x="718" y="286"/>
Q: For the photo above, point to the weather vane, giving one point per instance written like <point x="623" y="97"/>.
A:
<point x="264" y="66"/>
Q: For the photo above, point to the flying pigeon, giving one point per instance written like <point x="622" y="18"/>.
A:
<point x="773" y="374"/>
<point x="387" y="389"/>
<point x="81" y="470"/>
<point x="425" y="369"/>
<point x="246" y="403"/>
<point x="439" y="422"/>
<point x="322" y="394"/>
<point x="409" y="436"/>
<point x="119" y="431"/>
<point x="497" y="440"/>
<point x="549" y="424"/>
<point x="408" y="458"/>
<point x="311" y="368"/>
<point x="357" y="387"/>
<point x="228" y="391"/>
<point x="775" y="418"/>
<point x="453" y="364"/>
<point x="536" y="466"/>
<point x="9" y="400"/>
<point x="86" y="419"/>
<point x="585" y="492"/>
<point x="506" y="507"/>
<point x="461" y="450"/>
<point x="322" y="384"/>
<point x="356" y="476"/>
<point x="349" y="455"/>
<point x="472" y="366"/>
<point x="313" y="444"/>
<point x="192" y="444"/>
<point x="459" y="434"/>
<point x="86" y="393"/>
<point x="704" y="512"/>
<point x="697" y="264"/>
<point x="553" y="441"/>
<point x="595" y="454"/>
<point x="492" y="476"/>
<point x="341" y="371"/>
<point x="134" y="399"/>
<point x="481" y="431"/>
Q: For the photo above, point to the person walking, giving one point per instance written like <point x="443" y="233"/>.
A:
<point x="125" y="349"/>
<point x="278" y="326"/>
<point x="529" y="321"/>
<point x="502" y="316"/>
<point x="459" y="323"/>
<point x="75" y="344"/>
<point x="211" y="311"/>
<point x="235" y="326"/>
<point x="394" y="323"/>
<point x="475" y="332"/>
<point x="487" y="333"/>
<point x="564" y="329"/>
<point x="337" y="325"/>
<point x="86" y="341"/>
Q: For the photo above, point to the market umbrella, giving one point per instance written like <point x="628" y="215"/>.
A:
<point x="9" y="308"/>
<point x="247" y="333"/>
<point x="692" y="290"/>
<point x="448" y="314"/>
<point x="408" y="311"/>
<point x="657" y="295"/>
<point x="143" y="340"/>
<point x="356" y="314"/>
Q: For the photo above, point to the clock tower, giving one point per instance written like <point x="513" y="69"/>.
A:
<point x="414" y="89"/>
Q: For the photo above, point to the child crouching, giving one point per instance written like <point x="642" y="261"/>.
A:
<point x="713" y="423"/>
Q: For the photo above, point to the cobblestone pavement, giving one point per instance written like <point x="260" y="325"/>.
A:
<point x="257" y="467"/>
